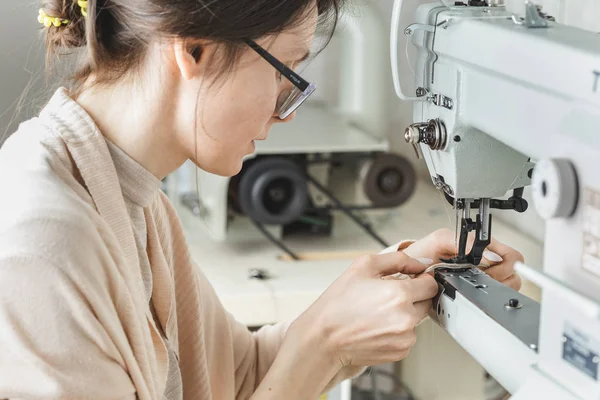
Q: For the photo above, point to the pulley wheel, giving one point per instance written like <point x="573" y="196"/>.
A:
<point x="390" y="180"/>
<point x="273" y="191"/>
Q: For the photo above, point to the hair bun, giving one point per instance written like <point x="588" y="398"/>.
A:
<point x="64" y="24"/>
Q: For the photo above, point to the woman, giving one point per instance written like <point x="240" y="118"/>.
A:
<point x="99" y="297"/>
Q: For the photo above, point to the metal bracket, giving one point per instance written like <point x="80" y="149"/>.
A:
<point x="410" y="30"/>
<point x="436" y="98"/>
<point x="442" y="101"/>
<point x="533" y="17"/>
<point x="439" y="184"/>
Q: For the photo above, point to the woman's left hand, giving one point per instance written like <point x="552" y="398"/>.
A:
<point x="501" y="260"/>
<point x="499" y="257"/>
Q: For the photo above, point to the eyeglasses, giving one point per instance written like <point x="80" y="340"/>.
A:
<point x="289" y="100"/>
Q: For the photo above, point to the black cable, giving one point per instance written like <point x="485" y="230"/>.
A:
<point x="274" y="240"/>
<point x="345" y="210"/>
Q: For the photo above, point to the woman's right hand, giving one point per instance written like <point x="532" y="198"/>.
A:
<point x="366" y="320"/>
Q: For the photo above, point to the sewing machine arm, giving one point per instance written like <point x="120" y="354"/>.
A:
<point x="497" y="325"/>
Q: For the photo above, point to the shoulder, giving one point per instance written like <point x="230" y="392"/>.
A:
<point x="44" y="211"/>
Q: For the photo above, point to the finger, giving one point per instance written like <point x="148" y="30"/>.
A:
<point x="504" y="251"/>
<point x="423" y="287"/>
<point x="514" y="281"/>
<point x="437" y="244"/>
<point x="491" y="256"/>
<point x="501" y="272"/>
<point x="506" y="268"/>
<point x="443" y="241"/>
<point x="391" y="263"/>
<point x="451" y="247"/>
<point x="470" y="242"/>
<point x="489" y="259"/>
<point x="422" y="309"/>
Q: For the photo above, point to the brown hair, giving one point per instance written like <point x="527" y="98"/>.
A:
<point x="116" y="33"/>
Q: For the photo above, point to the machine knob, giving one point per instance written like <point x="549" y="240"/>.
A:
<point x="554" y="188"/>
<point x="412" y="133"/>
<point x="513" y="304"/>
<point x="431" y="133"/>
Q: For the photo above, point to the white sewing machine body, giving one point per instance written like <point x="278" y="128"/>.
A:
<point x="506" y="92"/>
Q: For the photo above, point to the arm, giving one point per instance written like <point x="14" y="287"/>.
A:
<point x="360" y="320"/>
<point x="303" y="368"/>
<point x="273" y="351"/>
<point x="51" y="344"/>
<point x="276" y="351"/>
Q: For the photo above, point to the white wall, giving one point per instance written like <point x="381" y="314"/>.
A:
<point x="21" y="61"/>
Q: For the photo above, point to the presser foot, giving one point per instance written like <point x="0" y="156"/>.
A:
<point x="483" y="229"/>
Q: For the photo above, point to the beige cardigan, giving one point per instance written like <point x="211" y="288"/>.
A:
<point x="74" y="321"/>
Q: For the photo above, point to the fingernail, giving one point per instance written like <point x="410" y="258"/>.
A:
<point x="426" y="261"/>
<point x="490" y="255"/>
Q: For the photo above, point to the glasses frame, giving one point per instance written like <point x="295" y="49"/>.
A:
<point x="303" y="88"/>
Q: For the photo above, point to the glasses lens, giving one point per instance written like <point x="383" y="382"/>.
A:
<point x="290" y="100"/>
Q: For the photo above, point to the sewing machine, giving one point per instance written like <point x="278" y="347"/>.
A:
<point x="504" y="97"/>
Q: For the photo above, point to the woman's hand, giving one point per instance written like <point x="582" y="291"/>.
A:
<point x="499" y="257"/>
<point x="365" y="320"/>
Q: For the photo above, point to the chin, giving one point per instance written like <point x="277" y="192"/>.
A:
<point x="236" y="170"/>
<point x="226" y="170"/>
<point x="226" y="165"/>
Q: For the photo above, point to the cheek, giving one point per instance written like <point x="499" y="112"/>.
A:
<point x="228" y="121"/>
<point x="240" y="114"/>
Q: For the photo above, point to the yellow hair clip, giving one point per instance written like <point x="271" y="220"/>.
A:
<point x="83" y="4"/>
<point x="49" y="21"/>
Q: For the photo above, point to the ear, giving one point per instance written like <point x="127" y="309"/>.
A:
<point x="188" y="58"/>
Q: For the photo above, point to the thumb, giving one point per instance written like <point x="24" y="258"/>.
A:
<point x="390" y="263"/>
